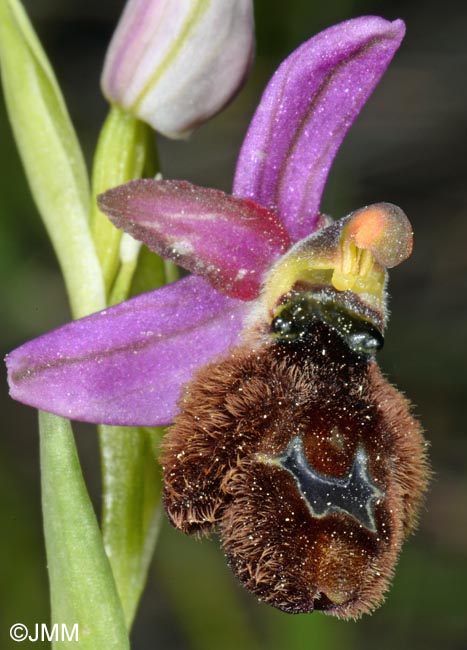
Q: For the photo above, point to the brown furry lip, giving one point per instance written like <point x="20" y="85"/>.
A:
<point x="249" y="408"/>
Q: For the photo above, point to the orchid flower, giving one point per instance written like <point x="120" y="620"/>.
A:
<point x="286" y="435"/>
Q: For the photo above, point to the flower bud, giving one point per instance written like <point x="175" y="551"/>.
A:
<point x="175" y="64"/>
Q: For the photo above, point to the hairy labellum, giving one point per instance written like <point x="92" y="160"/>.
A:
<point x="306" y="459"/>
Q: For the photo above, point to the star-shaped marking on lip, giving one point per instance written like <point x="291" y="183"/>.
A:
<point x="354" y="495"/>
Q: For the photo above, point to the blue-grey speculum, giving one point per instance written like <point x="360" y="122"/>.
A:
<point x="354" y="495"/>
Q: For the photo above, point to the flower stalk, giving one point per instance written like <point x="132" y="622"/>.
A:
<point x="125" y="150"/>
<point x="131" y="512"/>
<point x="131" y="487"/>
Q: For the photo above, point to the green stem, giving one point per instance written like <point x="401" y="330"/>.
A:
<point x="82" y="585"/>
<point x="131" y="508"/>
<point x="121" y="155"/>
<point x="130" y="476"/>
<point x="123" y="281"/>
<point x="131" y="479"/>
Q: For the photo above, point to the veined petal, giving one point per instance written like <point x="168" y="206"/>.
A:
<point x="175" y="64"/>
<point x="228" y="241"/>
<point x="126" y="365"/>
<point x="305" y="112"/>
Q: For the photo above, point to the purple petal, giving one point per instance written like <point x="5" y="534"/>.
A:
<point x="306" y="110"/>
<point x="228" y="241"/>
<point x="127" y="365"/>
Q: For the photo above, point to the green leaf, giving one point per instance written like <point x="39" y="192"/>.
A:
<point x="82" y="585"/>
<point x="51" y="155"/>
<point x="122" y="153"/>
<point x="131" y="507"/>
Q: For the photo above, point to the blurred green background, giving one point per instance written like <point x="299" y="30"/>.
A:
<point x="407" y="147"/>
